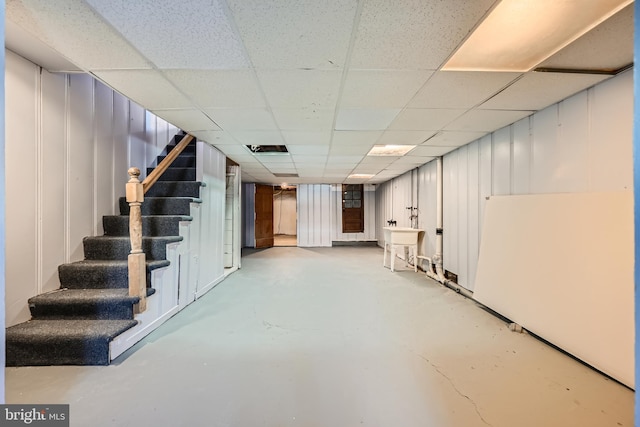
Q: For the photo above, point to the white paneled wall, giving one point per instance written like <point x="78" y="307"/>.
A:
<point x="369" y="204"/>
<point x="582" y="144"/>
<point x="212" y="213"/>
<point x="69" y="143"/>
<point x="314" y="215"/>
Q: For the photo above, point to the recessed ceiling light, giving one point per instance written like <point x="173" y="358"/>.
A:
<point x="519" y="34"/>
<point x="390" y="150"/>
<point x="361" y="175"/>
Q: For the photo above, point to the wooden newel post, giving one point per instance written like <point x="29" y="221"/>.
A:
<point x="137" y="261"/>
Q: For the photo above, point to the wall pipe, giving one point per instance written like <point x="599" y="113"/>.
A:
<point x="438" y="274"/>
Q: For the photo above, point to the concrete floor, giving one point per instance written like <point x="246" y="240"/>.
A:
<point x="328" y="337"/>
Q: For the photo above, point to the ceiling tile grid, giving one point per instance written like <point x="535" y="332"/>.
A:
<point x="329" y="79"/>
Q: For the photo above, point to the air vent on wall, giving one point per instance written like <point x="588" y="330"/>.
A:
<point x="268" y="149"/>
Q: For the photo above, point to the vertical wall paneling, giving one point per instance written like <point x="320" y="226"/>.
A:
<point x="103" y="158"/>
<point x="461" y="244"/>
<point x="427" y="206"/>
<point x="544" y="139"/>
<point x="80" y="168"/>
<point x="21" y="82"/>
<point x="53" y="186"/>
<point x="580" y="144"/>
<point x="120" y="146"/>
<point x="314" y="215"/>
<point x="521" y="157"/>
<point x="484" y="172"/>
<point x="472" y="245"/>
<point x="572" y="174"/>
<point x="450" y="211"/>
<point x="137" y="142"/>
<point x="611" y="124"/>
<point x="501" y="167"/>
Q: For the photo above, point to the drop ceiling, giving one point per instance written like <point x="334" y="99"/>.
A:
<point x="328" y="79"/>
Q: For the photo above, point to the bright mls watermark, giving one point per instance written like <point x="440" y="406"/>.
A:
<point x="34" y="415"/>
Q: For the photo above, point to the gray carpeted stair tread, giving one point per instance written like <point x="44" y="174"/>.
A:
<point x="119" y="247"/>
<point x="100" y="274"/>
<point x="62" y="342"/>
<point x="176" y="174"/>
<point x="184" y="160"/>
<point x="83" y="304"/>
<point x="162" y="205"/>
<point x="152" y="225"/>
<point x="175" y="189"/>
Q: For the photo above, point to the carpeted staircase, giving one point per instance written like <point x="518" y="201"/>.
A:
<point x="75" y="324"/>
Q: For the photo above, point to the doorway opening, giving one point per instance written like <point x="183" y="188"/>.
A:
<point x="285" y="216"/>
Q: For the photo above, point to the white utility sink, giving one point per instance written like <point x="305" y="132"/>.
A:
<point x="401" y="236"/>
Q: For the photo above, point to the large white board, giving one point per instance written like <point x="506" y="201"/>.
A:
<point x="561" y="265"/>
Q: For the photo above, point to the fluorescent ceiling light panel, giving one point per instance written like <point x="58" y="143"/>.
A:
<point x="519" y="34"/>
<point x="390" y="150"/>
<point x="361" y="175"/>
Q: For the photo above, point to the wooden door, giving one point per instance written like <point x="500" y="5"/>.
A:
<point x="264" y="216"/>
<point x="352" y="208"/>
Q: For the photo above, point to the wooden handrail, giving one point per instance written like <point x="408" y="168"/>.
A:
<point x="165" y="163"/>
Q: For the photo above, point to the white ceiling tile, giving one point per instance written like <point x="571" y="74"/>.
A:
<point x="393" y="88"/>
<point x="414" y="160"/>
<point x="400" y="167"/>
<point x="309" y="149"/>
<point x="215" y="137"/>
<point x="405" y="137"/>
<point x="245" y="119"/>
<point x="425" y="118"/>
<point x="25" y="44"/>
<point x="460" y="89"/>
<point x="308" y="159"/>
<point x="188" y="120"/>
<point x="452" y="139"/>
<point x="344" y="159"/>
<point x="234" y="149"/>
<point x="146" y="87"/>
<point x="268" y="159"/>
<point x="365" y="119"/>
<point x="300" y="88"/>
<point x="355" y="138"/>
<point x="409" y="34"/>
<point x="308" y="33"/>
<point x="428" y="151"/>
<point x="348" y="150"/>
<point x="306" y="137"/>
<point x="218" y="88"/>
<point x="535" y="91"/>
<point x="609" y="46"/>
<point x="486" y="120"/>
<point x="374" y="169"/>
<point x="77" y="32"/>
<point x="304" y="119"/>
<point x="202" y="37"/>
<point x="258" y="137"/>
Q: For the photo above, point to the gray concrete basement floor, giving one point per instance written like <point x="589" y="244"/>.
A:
<point x="328" y="337"/>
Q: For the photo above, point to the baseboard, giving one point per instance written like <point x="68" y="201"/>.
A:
<point x="128" y="339"/>
<point x="354" y="243"/>
<point x="208" y="287"/>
